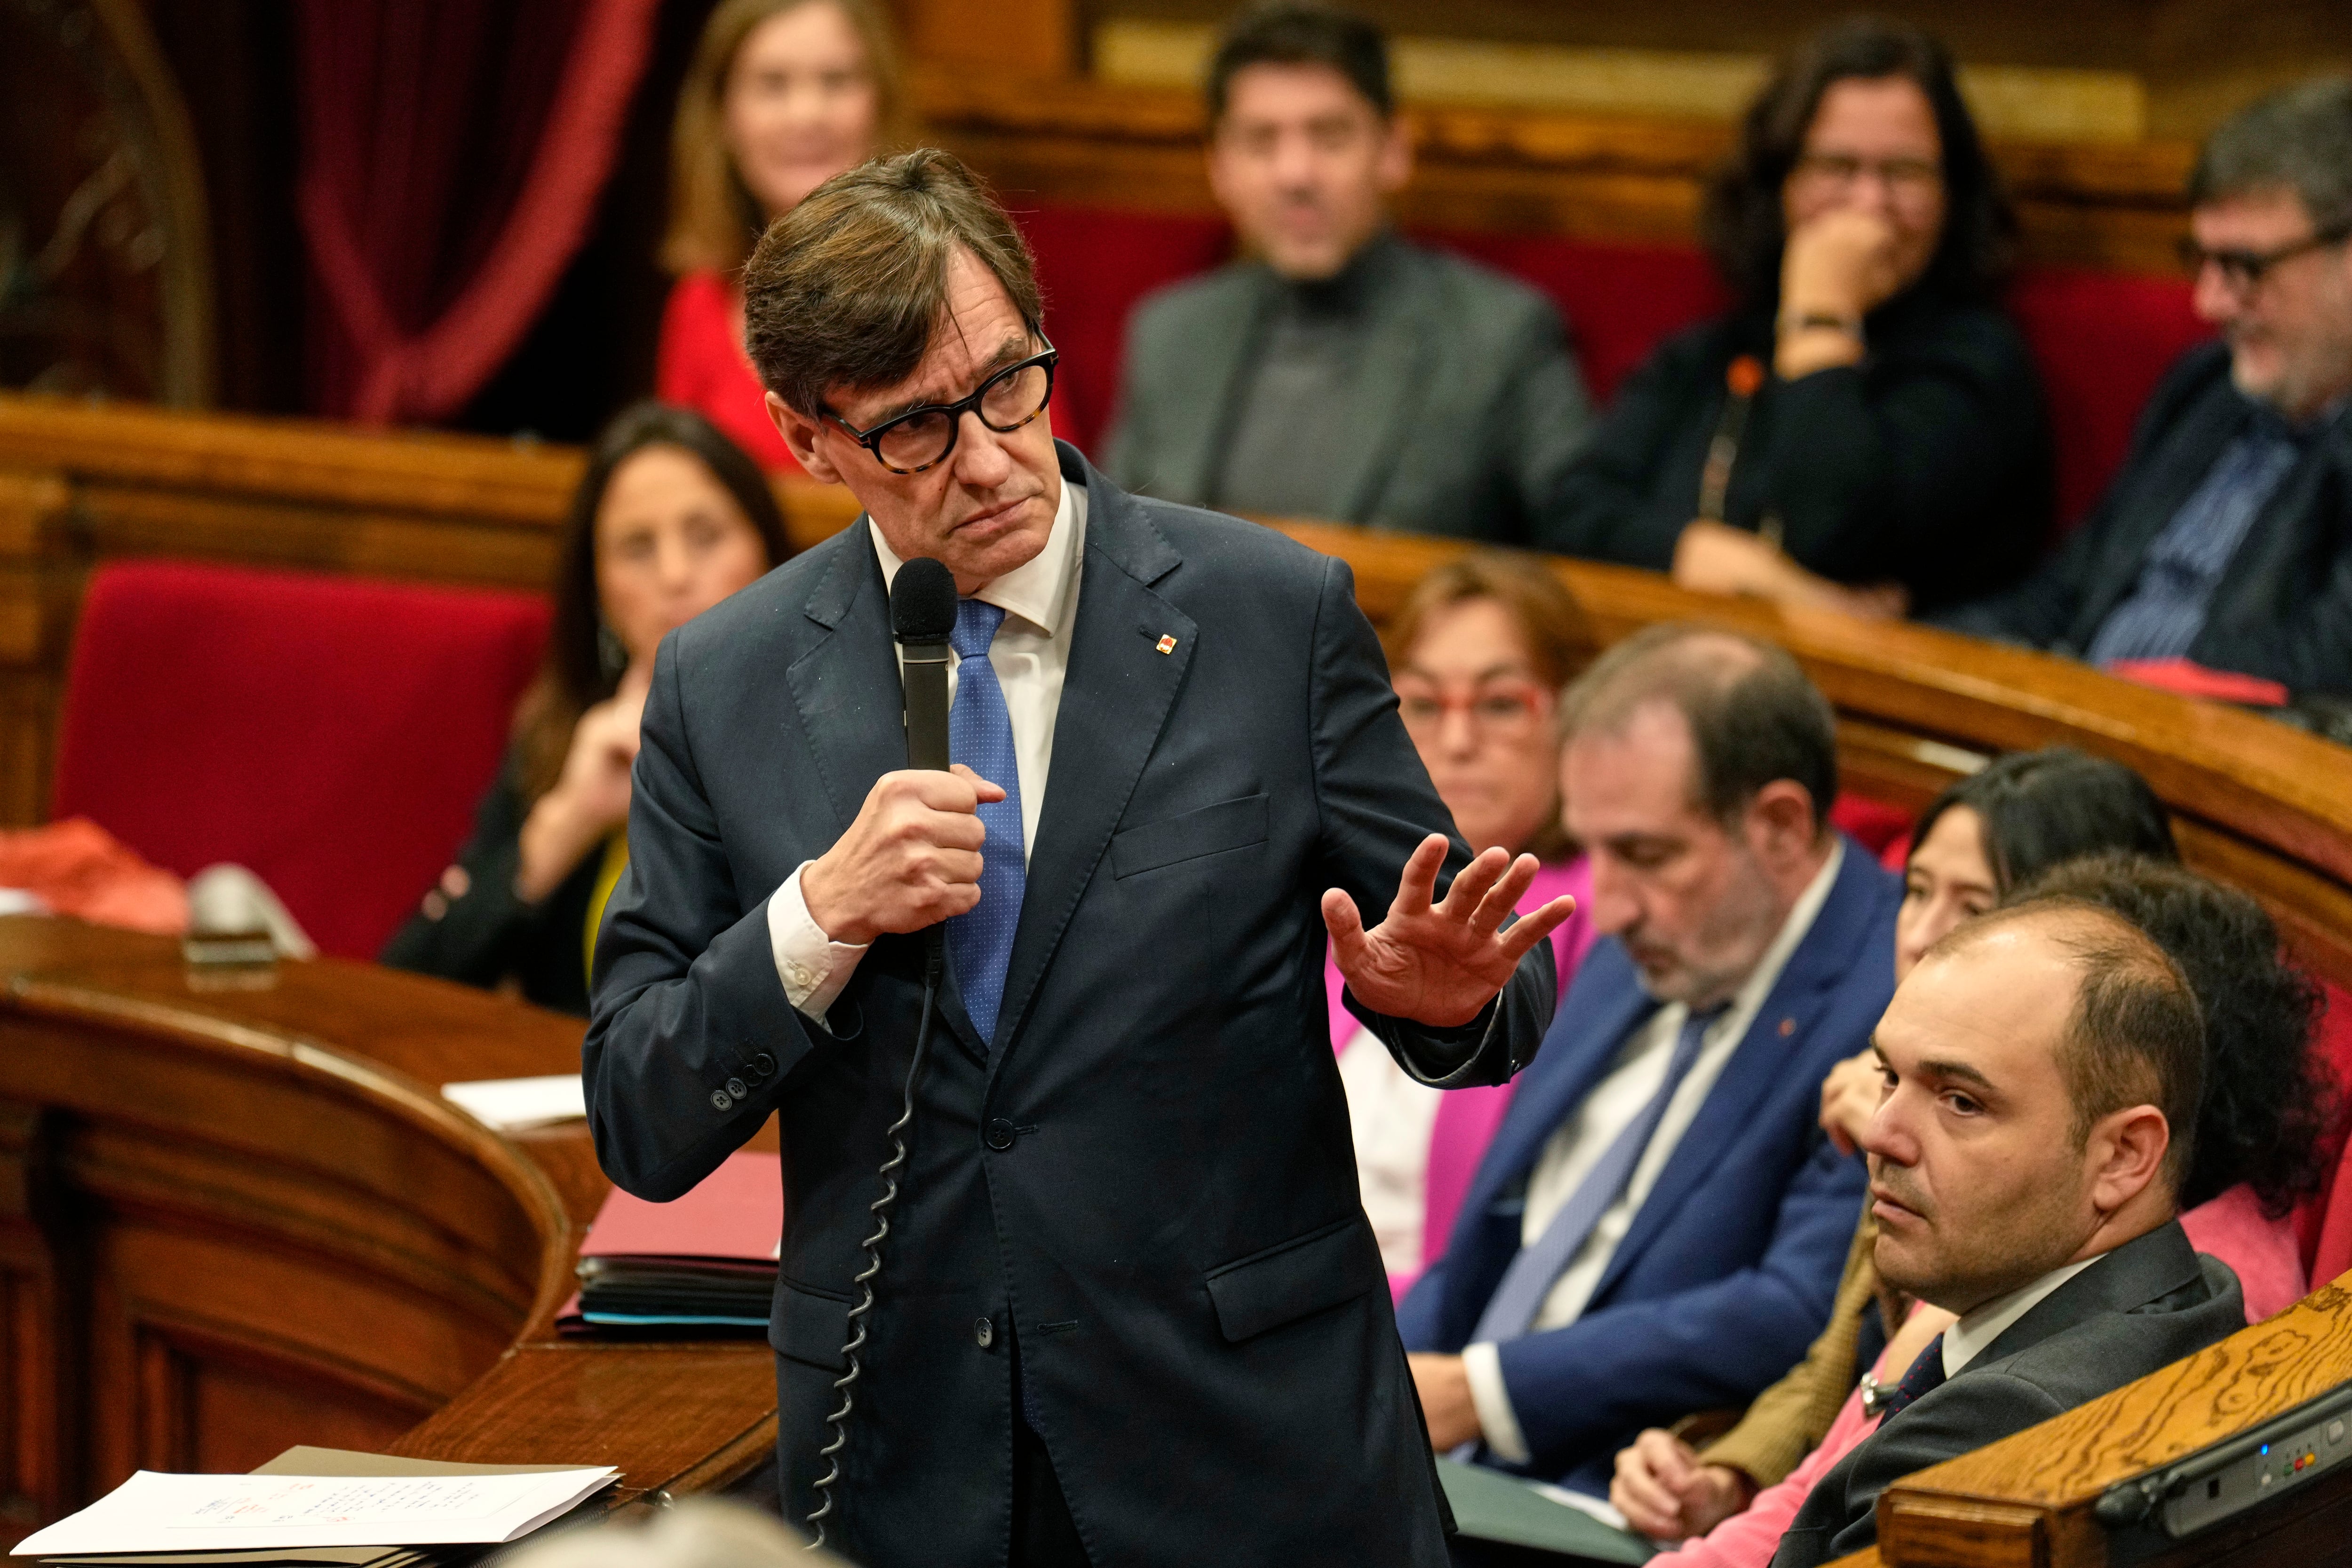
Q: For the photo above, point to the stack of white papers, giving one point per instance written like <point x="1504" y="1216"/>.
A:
<point x="515" y="1104"/>
<point x="311" y="1519"/>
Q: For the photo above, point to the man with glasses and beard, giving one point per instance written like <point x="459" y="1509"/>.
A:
<point x="2227" y="538"/>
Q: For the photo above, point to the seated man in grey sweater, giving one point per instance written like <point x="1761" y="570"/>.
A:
<point x="2043" y="1068"/>
<point x="1339" y="370"/>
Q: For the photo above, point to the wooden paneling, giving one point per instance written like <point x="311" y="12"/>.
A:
<point x="270" y="1229"/>
<point x="227" y="1236"/>
<point x="1088" y="143"/>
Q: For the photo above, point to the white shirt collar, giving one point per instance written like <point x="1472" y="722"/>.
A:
<point x="1968" y="1338"/>
<point x="1036" y="589"/>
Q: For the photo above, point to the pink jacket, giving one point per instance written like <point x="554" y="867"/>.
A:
<point x="1466" y="1118"/>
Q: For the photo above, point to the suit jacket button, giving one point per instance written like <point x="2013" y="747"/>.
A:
<point x="763" y="1064"/>
<point x="984" y="1334"/>
<point x="720" y="1100"/>
<point x="735" y="1087"/>
<point x="1000" y="1134"/>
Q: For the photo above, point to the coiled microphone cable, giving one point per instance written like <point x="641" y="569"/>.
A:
<point x="880" y="1209"/>
<point x="922" y="613"/>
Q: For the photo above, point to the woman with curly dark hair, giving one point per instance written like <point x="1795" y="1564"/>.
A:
<point x="1864" y="430"/>
<point x="2263" y="1137"/>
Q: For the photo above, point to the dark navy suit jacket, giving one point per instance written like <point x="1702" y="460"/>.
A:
<point x="1142" y="1187"/>
<point x="1730" y="1265"/>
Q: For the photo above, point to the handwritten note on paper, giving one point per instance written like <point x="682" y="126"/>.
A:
<point x="154" y="1511"/>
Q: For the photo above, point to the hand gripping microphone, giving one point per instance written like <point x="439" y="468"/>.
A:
<point x="922" y="614"/>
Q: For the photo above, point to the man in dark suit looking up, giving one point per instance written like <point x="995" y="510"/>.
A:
<point x="2043" y="1069"/>
<point x="1659" y="1223"/>
<point x="1338" y="369"/>
<point x="1130" y="1309"/>
<point x="2227" y="538"/>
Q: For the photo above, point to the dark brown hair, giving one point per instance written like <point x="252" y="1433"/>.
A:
<point x="845" y="288"/>
<point x="1753" y="715"/>
<point x="1288" y="33"/>
<point x="2270" y="1105"/>
<point x="575" y="676"/>
<point x="2297" y="139"/>
<point x="2135" y="1035"/>
<point x="1550" y="622"/>
<point x="2039" y="809"/>
<point x="713" y="218"/>
<point x="1740" y="219"/>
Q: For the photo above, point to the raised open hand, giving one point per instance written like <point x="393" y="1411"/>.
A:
<point x="1438" y="963"/>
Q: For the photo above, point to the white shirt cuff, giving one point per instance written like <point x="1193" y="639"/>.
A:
<point x="814" y="968"/>
<point x="1483" y="1365"/>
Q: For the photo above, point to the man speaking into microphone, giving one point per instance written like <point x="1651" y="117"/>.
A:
<point x="1129" y="1310"/>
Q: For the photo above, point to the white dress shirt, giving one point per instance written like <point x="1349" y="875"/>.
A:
<point x="1615" y="1102"/>
<point x="1031" y="654"/>
<point x="1391" y="1115"/>
<point x="1968" y="1339"/>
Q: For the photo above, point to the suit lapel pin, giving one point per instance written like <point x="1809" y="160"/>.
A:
<point x="1788" y="1028"/>
<point x="1167" y="644"/>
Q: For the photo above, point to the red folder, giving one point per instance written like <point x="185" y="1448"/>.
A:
<point x="735" y="1214"/>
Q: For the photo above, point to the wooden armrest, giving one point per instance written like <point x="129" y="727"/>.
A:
<point x="2027" y="1500"/>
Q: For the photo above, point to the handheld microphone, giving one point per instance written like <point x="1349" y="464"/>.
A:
<point x="922" y="613"/>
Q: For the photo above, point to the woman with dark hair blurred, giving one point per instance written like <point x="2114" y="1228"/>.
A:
<point x="2037" y="823"/>
<point x="669" y="518"/>
<point x="782" y="95"/>
<point x="1865" y="430"/>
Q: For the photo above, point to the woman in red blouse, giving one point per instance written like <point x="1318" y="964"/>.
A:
<point x="782" y="95"/>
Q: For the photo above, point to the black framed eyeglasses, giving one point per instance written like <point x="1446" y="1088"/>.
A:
<point x="2243" y="270"/>
<point x="923" y="437"/>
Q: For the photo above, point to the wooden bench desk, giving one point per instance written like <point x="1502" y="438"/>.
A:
<point x="232" y="1219"/>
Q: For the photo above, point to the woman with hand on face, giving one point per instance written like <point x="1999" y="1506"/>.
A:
<point x="1479" y="653"/>
<point x="781" y="96"/>
<point x="2052" y="821"/>
<point x="669" y="518"/>
<point x="1866" y="431"/>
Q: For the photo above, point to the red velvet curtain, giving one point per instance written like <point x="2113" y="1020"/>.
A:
<point x="453" y="154"/>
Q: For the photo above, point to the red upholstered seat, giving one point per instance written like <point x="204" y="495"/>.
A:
<point x="332" y="734"/>
<point x="2101" y="339"/>
<point x="2325" y="1223"/>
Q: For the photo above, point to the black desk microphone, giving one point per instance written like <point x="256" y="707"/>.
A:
<point x="922" y="614"/>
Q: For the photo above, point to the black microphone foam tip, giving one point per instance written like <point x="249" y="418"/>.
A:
<point x="922" y="602"/>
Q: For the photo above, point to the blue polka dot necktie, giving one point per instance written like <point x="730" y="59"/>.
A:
<point x="980" y="735"/>
<point x="1926" y="1375"/>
